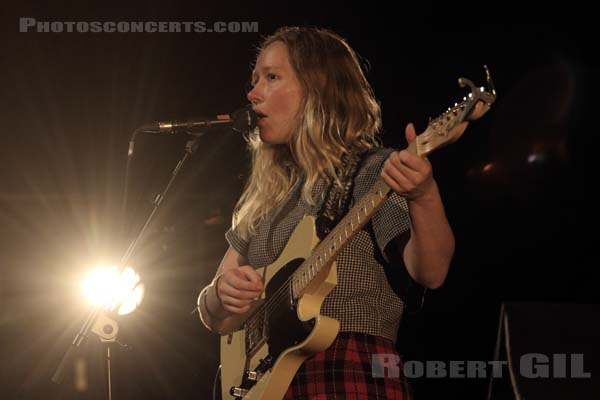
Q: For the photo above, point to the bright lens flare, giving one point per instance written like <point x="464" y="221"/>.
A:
<point x="107" y="288"/>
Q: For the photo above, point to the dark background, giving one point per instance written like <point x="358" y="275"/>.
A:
<point x="71" y="100"/>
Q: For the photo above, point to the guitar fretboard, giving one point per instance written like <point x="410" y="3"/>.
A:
<point x="328" y="250"/>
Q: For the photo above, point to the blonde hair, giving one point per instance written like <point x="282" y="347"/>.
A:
<point x="339" y="114"/>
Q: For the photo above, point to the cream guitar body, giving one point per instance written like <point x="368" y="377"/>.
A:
<point x="296" y="330"/>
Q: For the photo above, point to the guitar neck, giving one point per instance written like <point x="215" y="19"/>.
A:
<point x="343" y="233"/>
<point x="440" y="131"/>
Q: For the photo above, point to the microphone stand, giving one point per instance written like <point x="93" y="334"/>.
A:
<point x="96" y="321"/>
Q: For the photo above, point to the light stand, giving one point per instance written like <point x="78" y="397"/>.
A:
<point x="106" y="329"/>
<point x="243" y="120"/>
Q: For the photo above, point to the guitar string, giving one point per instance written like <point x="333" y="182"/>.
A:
<point x="267" y="307"/>
<point x="274" y="301"/>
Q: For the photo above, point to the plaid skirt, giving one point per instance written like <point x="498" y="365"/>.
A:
<point x="355" y="367"/>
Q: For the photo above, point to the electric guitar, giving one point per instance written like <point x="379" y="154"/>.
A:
<point x="262" y="349"/>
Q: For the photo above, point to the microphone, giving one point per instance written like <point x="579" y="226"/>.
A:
<point x="242" y="121"/>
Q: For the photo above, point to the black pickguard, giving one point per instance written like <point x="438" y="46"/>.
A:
<point x="284" y="328"/>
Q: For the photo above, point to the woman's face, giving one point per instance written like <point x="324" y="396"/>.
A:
<point x="276" y="94"/>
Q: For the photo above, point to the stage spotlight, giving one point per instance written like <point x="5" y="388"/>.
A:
<point x="110" y="289"/>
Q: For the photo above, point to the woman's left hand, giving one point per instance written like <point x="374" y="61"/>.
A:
<point x="408" y="174"/>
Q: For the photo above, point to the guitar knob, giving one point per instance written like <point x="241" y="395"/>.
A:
<point x="237" y="391"/>
<point x="253" y="376"/>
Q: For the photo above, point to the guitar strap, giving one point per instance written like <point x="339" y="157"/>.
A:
<point x="335" y="205"/>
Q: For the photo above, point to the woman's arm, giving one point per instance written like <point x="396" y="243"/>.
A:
<point x="428" y="251"/>
<point x="232" y="291"/>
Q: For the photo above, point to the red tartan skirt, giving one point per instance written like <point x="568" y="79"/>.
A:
<point x="355" y="367"/>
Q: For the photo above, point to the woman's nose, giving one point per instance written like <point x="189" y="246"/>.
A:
<point x="255" y="95"/>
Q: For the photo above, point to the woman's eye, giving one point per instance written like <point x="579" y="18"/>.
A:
<point x="272" y="77"/>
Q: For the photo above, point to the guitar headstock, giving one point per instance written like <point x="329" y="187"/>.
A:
<point x="449" y="126"/>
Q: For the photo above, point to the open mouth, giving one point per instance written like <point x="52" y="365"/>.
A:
<point x="260" y="116"/>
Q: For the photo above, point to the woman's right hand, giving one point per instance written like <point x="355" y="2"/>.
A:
<point x="238" y="288"/>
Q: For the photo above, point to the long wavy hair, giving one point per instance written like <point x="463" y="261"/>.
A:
<point x="338" y="114"/>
